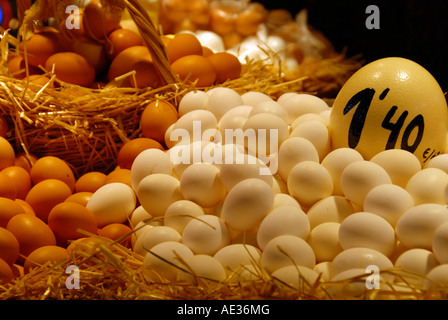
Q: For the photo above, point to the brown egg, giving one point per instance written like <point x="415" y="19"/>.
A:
<point x="136" y="59"/>
<point x="44" y="255"/>
<point x="222" y="21"/>
<point x="21" y="179"/>
<point x="80" y="197"/>
<point x="31" y="233"/>
<point x="132" y="148"/>
<point x="227" y="66"/>
<point x="44" y="195"/>
<point x="73" y="25"/>
<point x="8" y="209"/>
<point x="51" y="167"/>
<point x="25" y="160"/>
<point x="99" y="21"/>
<point x="90" y="181"/>
<point x="7" y="154"/>
<point x="40" y="79"/>
<point x="183" y="44"/>
<point x="68" y="219"/>
<point x="6" y="273"/>
<point x="7" y="187"/>
<point x="195" y="68"/>
<point x="249" y="20"/>
<point x="121" y="39"/>
<point x="72" y="68"/>
<point x="94" y="52"/>
<point x="17" y="67"/>
<point x="9" y="246"/>
<point x="40" y="46"/>
<point x="117" y="232"/>
<point x="120" y="175"/>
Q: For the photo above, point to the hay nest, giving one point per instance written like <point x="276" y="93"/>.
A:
<point x="86" y="127"/>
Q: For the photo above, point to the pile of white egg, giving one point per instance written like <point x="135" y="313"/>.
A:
<point x="214" y="209"/>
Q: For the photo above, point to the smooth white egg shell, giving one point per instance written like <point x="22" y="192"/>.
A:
<point x="416" y="227"/>
<point x="193" y="100"/>
<point x="292" y="151"/>
<point x="287" y="250"/>
<point x="359" y="177"/>
<point x="330" y="209"/>
<point x="157" y="192"/>
<point x="154" y="236"/>
<point x="112" y="203"/>
<point x="428" y="186"/>
<point x="399" y="164"/>
<point x="247" y="203"/>
<point x="206" y="234"/>
<point x="368" y="230"/>
<point x="162" y="263"/>
<point x="414" y="264"/>
<point x="336" y="161"/>
<point x="148" y="162"/>
<point x="324" y="240"/>
<point x="180" y="212"/>
<point x="204" y="268"/>
<point x="308" y="182"/>
<point x="221" y="100"/>
<point x="317" y="133"/>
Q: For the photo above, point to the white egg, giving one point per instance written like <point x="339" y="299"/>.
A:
<point x="232" y="120"/>
<point x="184" y="155"/>
<point x="286" y="250"/>
<point x="389" y="201"/>
<point x="154" y="236"/>
<point x="201" y="183"/>
<point x="167" y="138"/>
<point x="317" y="133"/>
<point x="221" y="100"/>
<point x="112" y="203"/>
<point x="202" y="267"/>
<point x="162" y="263"/>
<point x="416" y="227"/>
<point x="271" y="107"/>
<point x="292" y="151"/>
<point x="368" y="230"/>
<point x="336" y="161"/>
<point x="440" y="162"/>
<point x="139" y="215"/>
<point x="283" y="220"/>
<point x="308" y="117"/>
<point x="330" y="209"/>
<point x="428" y="186"/>
<point x="265" y="132"/>
<point x="437" y="277"/>
<point x="247" y="203"/>
<point x="157" y="192"/>
<point x="180" y="212"/>
<point x="295" y="277"/>
<point x="253" y="98"/>
<point x="323" y="269"/>
<point x="300" y="103"/>
<point x="206" y="234"/>
<point x="193" y="126"/>
<point x="148" y="162"/>
<point x="308" y="182"/>
<point x="210" y="40"/>
<point x="324" y="240"/>
<point x="440" y="243"/>
<point x="350" y="283"/>
<point x="355" y="258"/>
<point x="414" y="264"/>
<point x="359" y="177"/>
<point x="193" y="100"/>
<point x="284" y="199"/>
<point x="234" y="257"/>
<point x="400" y="164"/>
<point x="239" y="167"/>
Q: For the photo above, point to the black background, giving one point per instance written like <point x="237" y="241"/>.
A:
<point x="413" y="29"/>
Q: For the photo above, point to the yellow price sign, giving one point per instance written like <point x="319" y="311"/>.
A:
<point x="391" y="103"/>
